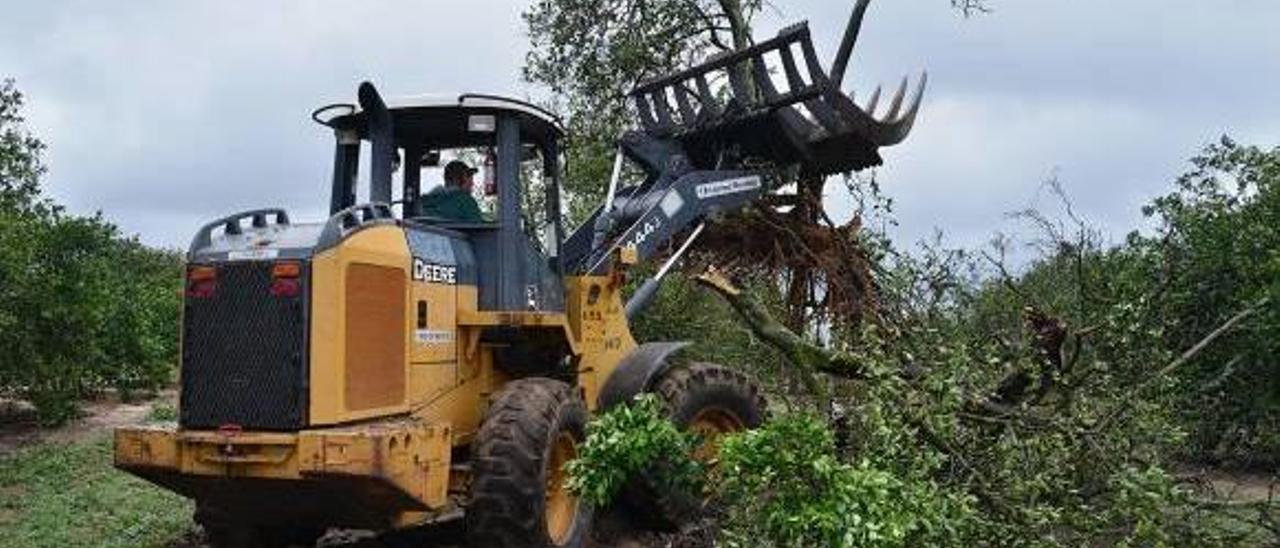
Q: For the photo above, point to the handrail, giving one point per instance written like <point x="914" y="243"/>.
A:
<point x="231" y="226"/>
<point x="351" y="219"/>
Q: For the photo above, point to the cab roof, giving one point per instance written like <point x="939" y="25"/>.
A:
<point x="441" y="121"/>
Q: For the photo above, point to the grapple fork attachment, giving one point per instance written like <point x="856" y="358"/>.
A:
<point x="774" y="103"/>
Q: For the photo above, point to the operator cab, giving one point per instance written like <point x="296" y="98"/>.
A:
<point x="514" y="148"/>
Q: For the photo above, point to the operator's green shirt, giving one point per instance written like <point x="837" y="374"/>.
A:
<point x="452" y="203"/>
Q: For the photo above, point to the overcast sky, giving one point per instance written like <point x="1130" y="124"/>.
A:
<point x="164" y="114"/>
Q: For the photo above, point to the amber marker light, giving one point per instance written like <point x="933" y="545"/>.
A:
<point x="202" y="282"/>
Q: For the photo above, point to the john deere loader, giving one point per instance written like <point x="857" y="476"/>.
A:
<point x="384" y="368"/>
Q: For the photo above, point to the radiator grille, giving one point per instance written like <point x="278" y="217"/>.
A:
<point x="244" y="356"/>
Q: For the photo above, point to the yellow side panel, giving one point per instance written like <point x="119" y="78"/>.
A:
<point x="463" y="403"/>
<point x="434" y="361"/>
<point x="598" y="320"/>
<point x="332" y="400"/>
<point x="435" y="332"/>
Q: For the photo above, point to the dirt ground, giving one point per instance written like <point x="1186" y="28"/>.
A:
<point x="1239" y="486"/>
<point x="19" y="428"/>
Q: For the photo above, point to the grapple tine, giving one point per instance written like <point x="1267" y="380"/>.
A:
<point x="908" y="119"/>
<point x="895" y="132"/>
<point x="896" y="105"/>
<point x="873" y="102"/>
<point x="915" y="103"/>
<point x="850" y="39"/>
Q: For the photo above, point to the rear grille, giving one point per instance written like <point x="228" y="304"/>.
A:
<point x="244" y="359"/>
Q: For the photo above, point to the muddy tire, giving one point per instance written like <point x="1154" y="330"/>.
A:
<point x="519" y="496"/>
<point x="710" y="400"/>
<point x="224" y="531"/>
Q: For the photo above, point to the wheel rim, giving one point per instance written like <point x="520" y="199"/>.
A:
<point x="561" y="505"/>
<point x="711" y="424"/>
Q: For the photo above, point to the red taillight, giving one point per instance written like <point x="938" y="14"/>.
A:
<point x="202" y="282"/>
<point x="285" y="287"/>
<point x="285" y="279"/>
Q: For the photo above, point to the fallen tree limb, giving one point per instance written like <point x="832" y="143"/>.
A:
<point x="809" y="358"/>
<point x="812" y="359"/>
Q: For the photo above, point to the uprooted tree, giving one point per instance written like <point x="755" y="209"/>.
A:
<point x="586" y="53"/>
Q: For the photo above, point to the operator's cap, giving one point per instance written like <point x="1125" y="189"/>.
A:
<point x="456" y="169"/>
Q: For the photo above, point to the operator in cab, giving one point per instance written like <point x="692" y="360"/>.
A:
<point x="453" y="201"/>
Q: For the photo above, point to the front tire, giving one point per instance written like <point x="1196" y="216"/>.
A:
<point x="519" y="493"/>
<point x="711" y="401"/>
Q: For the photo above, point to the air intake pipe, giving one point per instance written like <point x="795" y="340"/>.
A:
<point x="383" y="150"/>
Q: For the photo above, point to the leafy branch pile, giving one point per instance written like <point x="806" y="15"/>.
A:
<point x="631" y="441"/>
<point x="81" y="306"/>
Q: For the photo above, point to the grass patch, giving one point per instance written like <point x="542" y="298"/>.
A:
<point x="163" y="412"/>
<point x="68" y="495"/>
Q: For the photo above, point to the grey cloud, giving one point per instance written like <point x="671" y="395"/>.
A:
<point x="165" y="114"/>
<point x="1113" y="97"/>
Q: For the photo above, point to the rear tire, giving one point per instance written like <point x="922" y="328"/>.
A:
<point x="519" y="496"/>
<point x="710" y="400"/>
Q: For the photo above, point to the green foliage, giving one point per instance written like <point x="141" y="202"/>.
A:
<point x="1056" y="396"/>
<point x="163" y="412"/>
<point x="1041" y="408"/>
<point x="630" y="440"/>
<point x="20" y="166"/>
<point x="81" y="306"/>
<point x="1218" y="253"/>
<point x="57" y="495"/>
<point x="1044" y="437"/>
<point x="786" y="487"/>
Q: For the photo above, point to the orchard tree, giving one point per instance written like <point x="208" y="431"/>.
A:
<point x="20" y="161"/>
<point x="81" y="307"/>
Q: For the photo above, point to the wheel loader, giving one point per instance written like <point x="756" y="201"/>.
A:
<point x="384" y="368"/>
